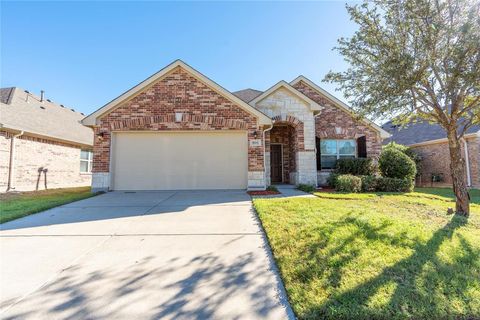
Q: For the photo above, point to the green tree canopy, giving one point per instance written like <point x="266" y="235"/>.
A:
<point x="416" y="59"/>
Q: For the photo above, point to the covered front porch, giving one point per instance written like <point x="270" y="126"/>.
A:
<point x="286" y="160"/>
<point x="283" y="153"/>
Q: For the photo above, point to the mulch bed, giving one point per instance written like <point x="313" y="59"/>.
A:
<point x="326" y="189"/>
<point x="262" y="193"/>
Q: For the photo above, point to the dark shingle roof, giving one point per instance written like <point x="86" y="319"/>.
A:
<point x="247" y="95"/>
<point x="418" y="132"/>
<point x="24" y="111"/>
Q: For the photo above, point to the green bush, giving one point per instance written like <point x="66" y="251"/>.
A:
<point x="396" y="164"/>
<point x="348" y="183"/>
<point x="332" y="179"/>
<point x="369" y="183"/>
<point x="306" y="188"/>
<point x="408" y="151"/>
<point x="385" y="184"/>
<point x="272" y="188"/>
<point x="355" y="166"/>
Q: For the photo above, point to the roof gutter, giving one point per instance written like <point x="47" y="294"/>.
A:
<point x="441" y="140"/>
<point x="10" y="128"/>
<point x="264" y="158"/>
<point x="11" y="164"/>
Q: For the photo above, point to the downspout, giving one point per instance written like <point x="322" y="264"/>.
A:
<point x="315" y="132"/>
<point x="11" y="165"/>
<point x="264" y="158"/>
<point x="467" y="162"/>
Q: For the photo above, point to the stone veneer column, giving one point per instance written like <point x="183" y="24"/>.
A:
<point x="306" y="159"/>
<point x="100" y="181"/>
<point x="256" y="180"/>
<point x="306" y="168"/>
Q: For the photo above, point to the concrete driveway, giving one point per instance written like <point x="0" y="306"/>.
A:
<point x="121" y="255"/>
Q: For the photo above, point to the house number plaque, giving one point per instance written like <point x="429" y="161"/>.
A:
<point x="255" y="143"/>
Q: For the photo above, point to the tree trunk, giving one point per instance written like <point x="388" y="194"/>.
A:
<point x="458" y="171"/>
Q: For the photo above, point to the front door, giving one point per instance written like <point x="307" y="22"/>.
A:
<point x="276" y="163"/>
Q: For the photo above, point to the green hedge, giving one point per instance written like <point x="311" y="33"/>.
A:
<point x="369" y="183"/>
<point x="348" y="183"/>
<point x="408" y="151"/>
<point x="396" y="164"/>
<point x="355" y="166"/>
<point x="332" y="179"/>
<point x="384" y="184"/>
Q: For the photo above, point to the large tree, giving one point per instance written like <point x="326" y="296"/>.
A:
<point x="417" y="60"/>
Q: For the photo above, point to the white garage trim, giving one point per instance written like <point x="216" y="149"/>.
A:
<point x="179" y="160"/>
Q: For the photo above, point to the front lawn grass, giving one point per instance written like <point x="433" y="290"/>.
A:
<point x="17" y="205"/>
<point x="376" y="255"/>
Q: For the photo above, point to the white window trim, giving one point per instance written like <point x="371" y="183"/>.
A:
<point x="89" y="161"/>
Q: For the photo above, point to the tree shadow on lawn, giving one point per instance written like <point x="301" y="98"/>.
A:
<point x="424" y="286"/>
<point x="333" y="262"/>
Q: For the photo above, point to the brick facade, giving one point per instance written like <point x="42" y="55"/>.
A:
<point x="474" y="156"/>
<point x="155" y="109"/>
<point x="33" y="155"/>
<point x="181" y="100"/>
<point x="436" y="160"/>
<point x="334" y="123"/>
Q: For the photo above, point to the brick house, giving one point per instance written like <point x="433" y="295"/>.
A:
<point x="180" y="130"/>
<point x="430" y="142"/>
<point x="42" y="144"/>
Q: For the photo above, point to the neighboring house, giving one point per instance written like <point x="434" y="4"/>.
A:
<point x="430" y="142"/>
<point x="42" y="144"/>
<point x="180" y="130"/>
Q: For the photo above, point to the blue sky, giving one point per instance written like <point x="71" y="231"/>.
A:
<point x="83" y="54"/>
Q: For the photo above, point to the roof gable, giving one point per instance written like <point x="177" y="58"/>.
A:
<point x="282" y="84"/>
<point x="91" y="120"/>
<point x="338" y="103"/>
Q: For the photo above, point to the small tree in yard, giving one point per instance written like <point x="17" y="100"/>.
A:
<point x="417" y="60"/>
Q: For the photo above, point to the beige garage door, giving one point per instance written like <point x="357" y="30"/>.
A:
<point x="180" y="160"/>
